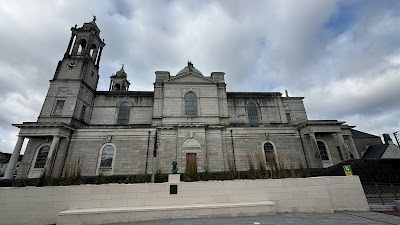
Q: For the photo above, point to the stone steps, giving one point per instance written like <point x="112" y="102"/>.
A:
<point x="146" y="213"/>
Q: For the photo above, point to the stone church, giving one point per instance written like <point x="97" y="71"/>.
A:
<point x="187" y="115"/>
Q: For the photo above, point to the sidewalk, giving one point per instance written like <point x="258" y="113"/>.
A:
<point x="351" y="218"/>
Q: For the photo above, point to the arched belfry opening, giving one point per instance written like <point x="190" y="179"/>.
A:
<point x="85" y="42"/>
<point x="80" y="47"/>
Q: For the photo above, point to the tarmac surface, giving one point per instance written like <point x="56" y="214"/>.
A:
<point x="342" y="218"/>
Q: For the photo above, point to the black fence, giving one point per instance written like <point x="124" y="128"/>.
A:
<point x="384" y="194"/>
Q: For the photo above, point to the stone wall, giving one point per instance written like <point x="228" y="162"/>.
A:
<point x="271" y="109"/>
<point x="130" y="153"/>
<point x="105" y="109"/>
<point x="41" y="205"/>
<point x="215" y="147"/>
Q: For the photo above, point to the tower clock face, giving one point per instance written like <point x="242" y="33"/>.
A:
<point x="71" y="65"/>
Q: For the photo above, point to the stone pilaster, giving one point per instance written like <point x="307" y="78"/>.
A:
<point x="315" y="149"/>
<point x="51" y="156"/>
<point x="353" y="147"/>
<point x="14" y="158"/>
<point x="342" y="146"/>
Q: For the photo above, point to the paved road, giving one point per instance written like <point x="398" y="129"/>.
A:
<point x="351" y="218"/>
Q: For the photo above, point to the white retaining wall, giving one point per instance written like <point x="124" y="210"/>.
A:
<point x="41" y="205"/>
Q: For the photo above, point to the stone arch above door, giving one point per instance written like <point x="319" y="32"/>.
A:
<point x="191" y="145"/>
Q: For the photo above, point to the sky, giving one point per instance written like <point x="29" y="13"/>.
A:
<point x="343" y="56"/>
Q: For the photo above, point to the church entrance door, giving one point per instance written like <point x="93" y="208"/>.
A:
<point x="191" y="163"/>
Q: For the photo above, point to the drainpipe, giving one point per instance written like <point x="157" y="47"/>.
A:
<point x="302" y="145"/>
<point x="147" y="155"/>
<point x="66" y="153"/>
<point x="154" y="158"/>
<point x="233" y="151"/>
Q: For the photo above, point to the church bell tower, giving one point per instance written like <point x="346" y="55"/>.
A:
<point x="72" y="90"/>
<point x="119" y="81"/>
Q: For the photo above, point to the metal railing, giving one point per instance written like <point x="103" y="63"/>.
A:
<point x="384" y="194"/>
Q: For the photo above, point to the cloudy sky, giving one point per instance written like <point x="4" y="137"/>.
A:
<point x="342" y="56"/>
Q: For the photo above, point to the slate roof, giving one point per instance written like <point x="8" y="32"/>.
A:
<point x="375" y="151"/>
<point x="358" y="134"/>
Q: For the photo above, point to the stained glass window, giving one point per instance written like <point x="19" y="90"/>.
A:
<point x="252" y="113"/>
<point x="322" y="150"/>
<point x="42" y="156"/>
<point x="123" y="113"/>
<point x="190" y="104"/>
<point x="107" y="156"/>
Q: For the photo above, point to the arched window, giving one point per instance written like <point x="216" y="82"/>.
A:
<point x="124" y="110"/>
<point x="106" y="159"/>
<point x="252" y="113"/>
<point x="323" y="150"/>
<point x="269" y="151"/>
<point x="41" y="157"/>
<point x="190" y="104"/>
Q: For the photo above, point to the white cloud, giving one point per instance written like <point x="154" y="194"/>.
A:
<point x="261" y="45"/>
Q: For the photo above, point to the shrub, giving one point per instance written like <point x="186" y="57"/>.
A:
<point x="141" y="178"/>
<point x="281" y="168"/>
<point x="158" y="177"/>
<point x="261" y="167"/>
<point x="274" y="166"/>
<point x="302" y="171"/>
<point x="73" y="173"/>
<point x="100" y="179"/>
<point x="43" y="180"/>
<point x="21" y="183"/>
<point x="231" y="173"/>
<point x="206" y="175"/>
<point x="252" y="169"/>
<point x="293" y="173"/>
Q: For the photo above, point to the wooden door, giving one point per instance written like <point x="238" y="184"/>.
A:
<point x="191" y="162"/>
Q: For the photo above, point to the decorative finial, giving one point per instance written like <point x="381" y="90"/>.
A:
<point x="287" y="94"/>
<point x="94" y="18"/>
<point x="122" y="66"/>
<point x="190" y="64"/>
<point x="76" y="25"/>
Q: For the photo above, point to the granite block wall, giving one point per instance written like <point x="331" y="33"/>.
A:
<point x="41" y="205"/>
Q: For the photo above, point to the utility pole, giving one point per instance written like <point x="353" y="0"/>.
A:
<point x="397" y="139"/>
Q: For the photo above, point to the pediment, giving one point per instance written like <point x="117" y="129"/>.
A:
<point x="190" y="78"/>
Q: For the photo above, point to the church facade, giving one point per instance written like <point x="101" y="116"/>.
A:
<point x="187" y="115"/>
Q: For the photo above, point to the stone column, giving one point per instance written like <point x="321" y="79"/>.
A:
<point x="315" y="149"/>
<point x="342" y="146"/>
<point x="353" y="147"/>
<point x="98" y="58"/>
<point x="69" y="45"/>
<point x="14" y="158"/>
<point x="51" y="155"/>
